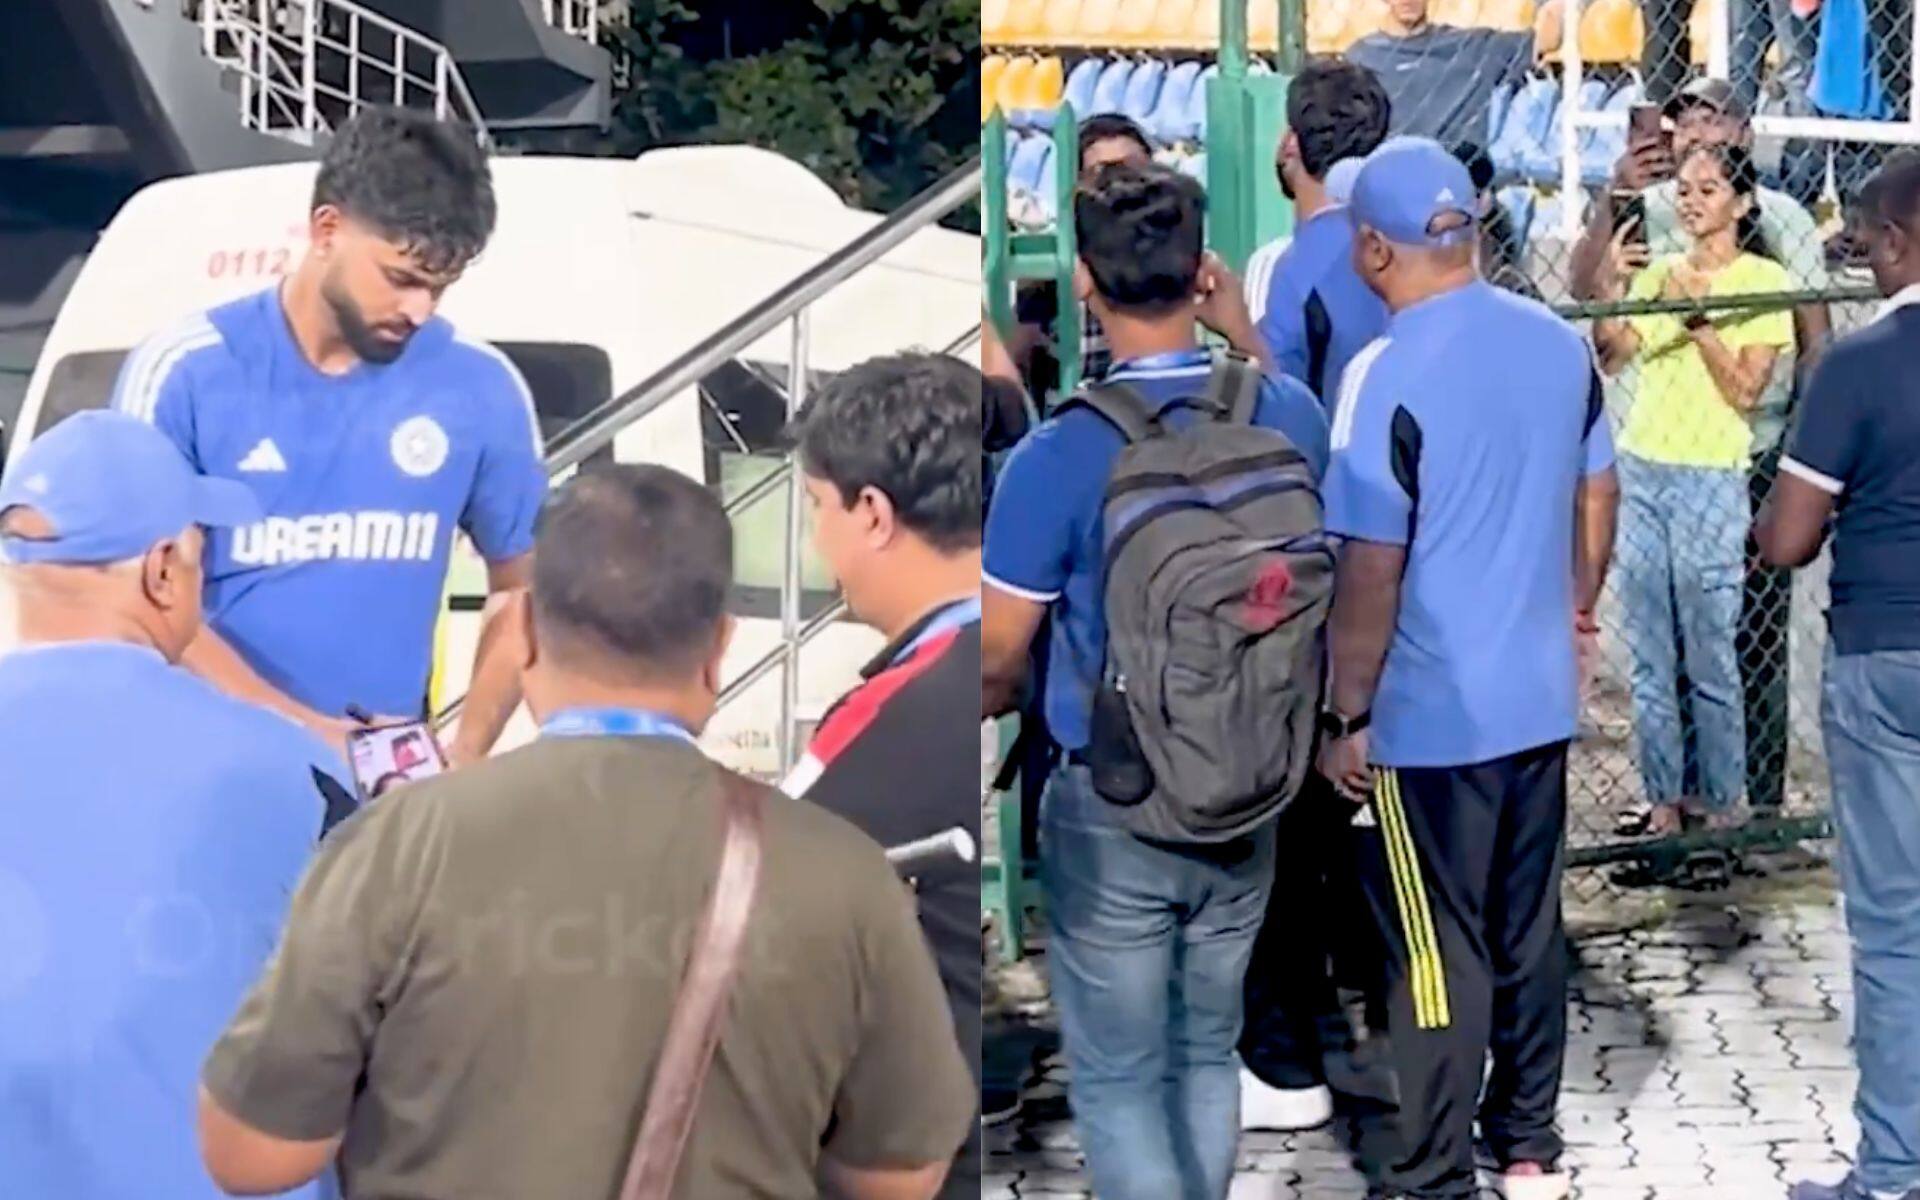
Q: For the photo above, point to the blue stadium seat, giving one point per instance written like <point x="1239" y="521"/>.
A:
<point x="1143" y="92"/>
<point x="1497" y="106"/>
<point x="1169" y="120"/>
<point x="1110" y="94"/>
<point x="1540" y="159"/>
<point x="1195" y="126"/>
<point x="1600" y="149"/>
<point x="1081" y="82"/>
<point x="1528" y="122"/>
<point x="1030" y="162"/>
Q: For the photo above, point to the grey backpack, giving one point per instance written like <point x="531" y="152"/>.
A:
<point x="1218" y="582"/>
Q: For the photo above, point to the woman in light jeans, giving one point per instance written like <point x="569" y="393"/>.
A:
<point x="1679" y="562"/>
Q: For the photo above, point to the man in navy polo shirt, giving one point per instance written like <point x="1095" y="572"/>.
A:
<point x="1453" y="694"/>
<point x="155" y="827"/>
<point x="1310" y="305"/>
<point x="1153" y="1081"/>
<point x="372" y="432"/>
<point x="1856" y="453"/>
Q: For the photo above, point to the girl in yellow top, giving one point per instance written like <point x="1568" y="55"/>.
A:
<point x="1680" y="558"/>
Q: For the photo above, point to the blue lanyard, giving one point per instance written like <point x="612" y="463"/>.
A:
<point x="1170" y="360"/>
<point x="953" y="616"/>
<point x="614" y="722"/>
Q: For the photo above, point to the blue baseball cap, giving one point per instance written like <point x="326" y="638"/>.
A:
<point x="112" y="486"/>
<point x="1408" y="184"/>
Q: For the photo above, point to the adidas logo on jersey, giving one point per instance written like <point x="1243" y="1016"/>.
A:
<point x="264" y="457"/>
<point x="363" y="536"/>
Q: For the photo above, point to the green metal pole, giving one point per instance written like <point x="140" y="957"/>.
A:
<point x="1293" y="36"/>
<point x="1066" y="255"/>
<point x="1229" y="144"/>
<point x="993" y="216"/>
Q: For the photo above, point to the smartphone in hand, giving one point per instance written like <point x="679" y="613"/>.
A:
<point x="386" y="756"/>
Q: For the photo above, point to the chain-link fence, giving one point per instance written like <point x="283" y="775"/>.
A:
<point x="1590" y="126"/>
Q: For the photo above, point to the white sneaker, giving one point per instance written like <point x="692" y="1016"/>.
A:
<point x="1282" y="1110"/>
<point x="1551" y="1185"/>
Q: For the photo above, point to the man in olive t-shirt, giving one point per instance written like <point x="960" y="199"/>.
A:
<point x="478" y="971"/>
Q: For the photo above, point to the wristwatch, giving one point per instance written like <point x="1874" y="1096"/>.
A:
<point x="1336" y="726"/>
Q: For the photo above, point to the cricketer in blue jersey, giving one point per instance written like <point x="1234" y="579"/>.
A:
<point x="371" y="431"/>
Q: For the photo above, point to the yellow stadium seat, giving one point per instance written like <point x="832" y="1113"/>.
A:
<point x="992" y="67"/>
<point x="1099" y="21"/>
<point x="1206" y="24"/>
<point x="1464" y="14"/>
<point x="1173" y="23"/>
<point x="1549" y="29"/>
<point x="1326" y="22"/>
<point x="1060" y="23"/>
<point x="1610" y="32"/>
<point x="993" y="21"/>
<point x="1049" y="82"/>
<point x="1263" y="25"/>
<point x="1015" y="83"/>
<point x="1023" y="22"/>
<point x="1134" y="22"/>
<point x="1513" y="16"/>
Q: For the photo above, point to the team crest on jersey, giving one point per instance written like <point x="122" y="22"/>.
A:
<point x="419" y="446"/>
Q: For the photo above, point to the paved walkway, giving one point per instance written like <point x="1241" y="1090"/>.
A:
<point x="1708" y="1058"/>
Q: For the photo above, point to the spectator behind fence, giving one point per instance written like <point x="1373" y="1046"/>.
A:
<point x="889" y="452"/>
<point x="1441" y="79"/>
<point x="1315" y="314"/>
<point x="1853" y="465"/>
<point x="1311" y="309"/>
<point x="1149" y="942"/>
<point x="1685" y="449"/>
<point x="1501" y="248"/>
<point x="154" y="826"/>
<point x="1707" y="113"/>
<point x="371" y="430"/>
<point x="477" y="973"/>
<point x="1477" y="509"/>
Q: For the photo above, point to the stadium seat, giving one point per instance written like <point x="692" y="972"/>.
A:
<point x="1511" y="16"/>
<point x="1326" y="26"/>
<point x="1014" y="81"/>
<point x="1034" y="156"/>
<point x="1700" y="29"/>
<point x="1098" y="21"/>
<point x="1110" y="94"/>
<point x="1263" y="25"/>
<point x="1080" y="85"/>
<point x="1173" y="24"/>
<point x="1595" y="152"/>
<point x="1463" y="14"/>
<point x="1497" y="106"/>
<point x="1610" y="32"/>
<point x="1196" y="122"/>
<point x="1549" y="29"/>
<point x="1060" y="22"/>
<point x="991" y="68"/>
<point x="1206" y="24"/>
<point x="1049" y="81"/>
<point x="1601" y="148"/>
<point x="993" y="21"/>
<point x="1528" y="124"/>
<point x="1143" y="91"/>
<point x="1023" y="22"/>
<point x="1133" y="24"/>
<point x="1169" y="123"/>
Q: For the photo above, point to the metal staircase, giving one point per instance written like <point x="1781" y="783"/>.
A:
<point x="305" y="66"/>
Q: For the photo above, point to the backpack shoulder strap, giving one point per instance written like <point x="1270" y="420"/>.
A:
<point x="1121" y="406"/>
<point x="699" y="1012"/>
<point x="1233" y="389"/>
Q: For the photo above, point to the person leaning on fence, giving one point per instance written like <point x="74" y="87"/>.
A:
<point x="888" y="452"/>
<point x="1853" y="467"/>
<point x="154" y="826"/>
<point x="1311" y="309"/>
<point x="1477" y="512"/>
<point x="1148" y="939"/>
<point x="1685" y="448"/>
<point x="476" y="978"/>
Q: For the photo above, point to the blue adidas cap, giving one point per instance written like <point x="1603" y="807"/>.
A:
<point x="112" y="486"/>
<point x="1407" y="185"/>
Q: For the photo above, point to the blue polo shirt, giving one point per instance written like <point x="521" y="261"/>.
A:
<point x="1474" y="471"/>
<point x="364" y="477"/>
<point x="1310" y="304"/>
<point x="155" y="829"/>
<point x="1043" y="530"/>
<point x="1858" y="440"/>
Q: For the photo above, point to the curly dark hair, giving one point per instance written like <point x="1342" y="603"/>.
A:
<point x="1338" y="110"/>
<point x="907" y="425"/>
<point x="1141" y="235"/>
<point x="419" y="181"/>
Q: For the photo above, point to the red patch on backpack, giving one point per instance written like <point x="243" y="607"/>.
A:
<point x="1264" y="604"/>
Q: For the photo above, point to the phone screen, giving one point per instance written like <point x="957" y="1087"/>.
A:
<point x="1631" y="211"/>
<point x="384" y="757"/>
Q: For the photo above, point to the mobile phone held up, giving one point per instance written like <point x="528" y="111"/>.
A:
<point x="1630" y="213"/>
<point x="384" y="757"/>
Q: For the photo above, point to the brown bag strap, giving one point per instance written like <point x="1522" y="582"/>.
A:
<point x="699" y="1012"/>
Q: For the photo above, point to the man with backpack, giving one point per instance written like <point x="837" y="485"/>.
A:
<point x="1477" y="511"/>
<point x="1168" y="519"/>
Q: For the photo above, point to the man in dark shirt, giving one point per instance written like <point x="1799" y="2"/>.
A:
<point x="1853" y="462"/>
<point x="478" y="971"/>
<point x="1441" y="79"/>
<point x="889" y="453"/>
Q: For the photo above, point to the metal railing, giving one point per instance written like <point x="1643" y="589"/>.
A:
<point x="788" y="305"/>
<point x="581" y="18"/>
<point x="305" y="66"/>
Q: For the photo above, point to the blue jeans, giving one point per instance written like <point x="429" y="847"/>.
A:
<point x="1871" y="710"/>
<point x="1148" y="946"/>
<point x="1681" y="558"/>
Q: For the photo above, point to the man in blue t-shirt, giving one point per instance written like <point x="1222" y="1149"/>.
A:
<point x="1453" y="693"/>
<point x="1149" y="944"/>
<point x="1852" y="464"/>
<point x="370" y="430"/>
<point x="1310" y="306"/>
<point x="155" y="827"/>
<point x="1441" y="78"/>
